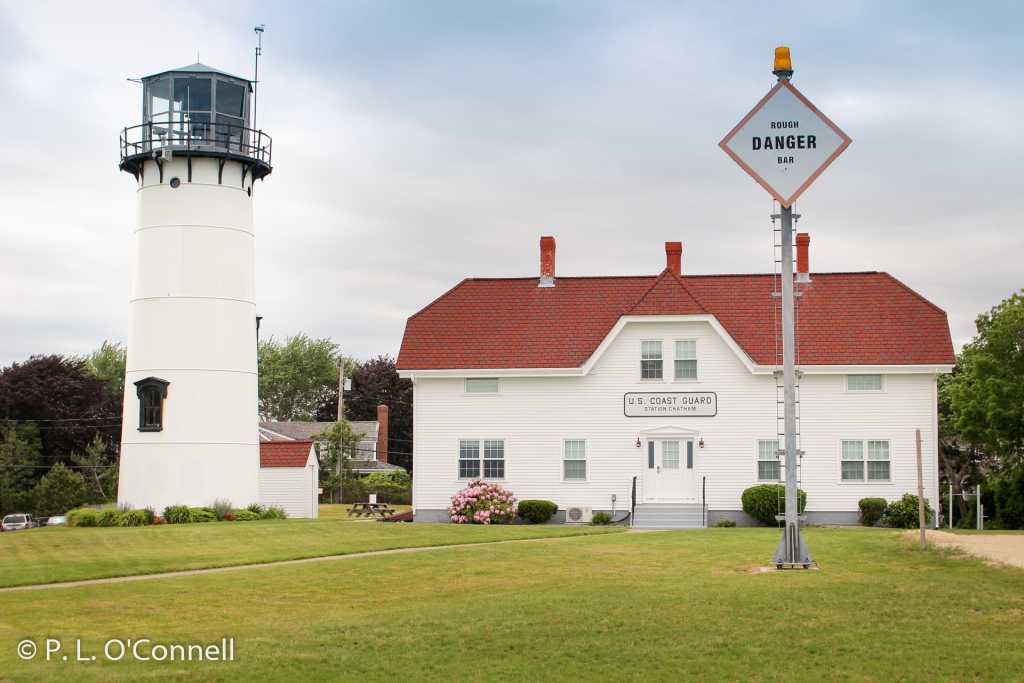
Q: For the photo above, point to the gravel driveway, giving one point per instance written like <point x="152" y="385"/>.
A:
<point x="1004" y="548"/>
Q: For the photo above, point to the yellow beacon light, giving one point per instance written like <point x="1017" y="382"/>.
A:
<point x="783" y="62"/>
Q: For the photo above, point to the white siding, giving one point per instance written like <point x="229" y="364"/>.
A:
<point x="535" y="414"/>
<point x="290" y="488"/>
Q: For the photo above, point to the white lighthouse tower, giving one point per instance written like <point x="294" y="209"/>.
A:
<point x="190" y="429"/>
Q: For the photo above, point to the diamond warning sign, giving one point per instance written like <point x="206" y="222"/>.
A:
<point x="785" y="143"/>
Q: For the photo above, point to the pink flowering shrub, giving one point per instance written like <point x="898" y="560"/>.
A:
<point x="482" y="503"/>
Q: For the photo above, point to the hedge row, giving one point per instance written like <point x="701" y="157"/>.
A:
<point x="173" y="514"/>
<point x="902" y="513"/>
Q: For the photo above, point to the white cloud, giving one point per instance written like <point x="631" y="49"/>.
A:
<point x="417" y="145"/>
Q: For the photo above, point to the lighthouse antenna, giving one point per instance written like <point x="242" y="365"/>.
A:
<point x="256" y="75"/>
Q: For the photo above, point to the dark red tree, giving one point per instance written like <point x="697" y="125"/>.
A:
<point x="68" y="404"/>
<point x="376" y="382"/>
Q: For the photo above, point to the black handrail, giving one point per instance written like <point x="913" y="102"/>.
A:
<point x="632" y="502"/>
<point x="704" y="501"/>
<point x="195" y="137"/>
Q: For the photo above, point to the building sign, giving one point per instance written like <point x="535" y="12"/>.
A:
<point x="785" y="143"/>
<point x="670" y="404"/>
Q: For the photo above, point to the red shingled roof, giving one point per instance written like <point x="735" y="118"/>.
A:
<point x="842" y="319"/>
<point x="284" y="453"/>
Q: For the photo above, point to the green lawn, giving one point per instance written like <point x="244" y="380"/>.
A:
<point x="655" y="606"/>
<point x="66" y="554"/>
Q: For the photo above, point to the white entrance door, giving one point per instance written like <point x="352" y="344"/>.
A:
<point x="669" y="476"/>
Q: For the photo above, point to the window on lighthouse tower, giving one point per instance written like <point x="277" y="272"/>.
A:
<point x="151" y="392"/>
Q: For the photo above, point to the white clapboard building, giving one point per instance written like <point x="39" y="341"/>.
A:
<point x="290" y="477"/>
<point x="658" y="394"/>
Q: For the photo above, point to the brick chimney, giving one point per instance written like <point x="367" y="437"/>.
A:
<point x="382" y="433"/>
<point x="803" y="258"/>
<point x="674" y="257"/>
<point x="547" y="261"/>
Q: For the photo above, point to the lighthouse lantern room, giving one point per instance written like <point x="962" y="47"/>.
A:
<point x="190" y="427"/>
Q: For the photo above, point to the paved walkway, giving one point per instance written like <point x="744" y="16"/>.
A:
<point x="282" y="563"/>
<point x="1004" y="548"/>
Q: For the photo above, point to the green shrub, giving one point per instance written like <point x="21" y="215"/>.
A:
<point x="204" y="514"/>
<point x="17" y="501"/>
<point x="255" y="507"/>
<point x="245" y="515"/>
<point x="537" y="511"/>
<point x="177" y="514"/>
<point x="764" y="501"/>
<point x="150" y="514"/>
<point x="726" y="523"/>
<point x="221" y="507"/>
<point x="273" y="512"/>
<point x="82" y="517"/>
<point x="132" y="518"/>
<point x="1003" y="499"/>
<point x="109" y="517"/>
<point x="903" y="512"/>
<point x="872" y="510"/>
<point x="601" y="519"/>
<point x="58" y="491"/>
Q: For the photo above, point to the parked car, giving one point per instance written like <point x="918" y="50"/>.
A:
<point x="59" y="520"/>
<point x="17" y="522"/>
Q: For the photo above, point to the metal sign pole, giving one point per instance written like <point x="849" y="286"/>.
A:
<point x="785" y="143"/>
<point x="791" y="550"/>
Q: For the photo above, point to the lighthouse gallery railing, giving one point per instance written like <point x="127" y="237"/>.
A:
<point x="195" y="136"/>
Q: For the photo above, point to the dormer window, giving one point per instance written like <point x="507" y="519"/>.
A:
<point x="151" y="392"/>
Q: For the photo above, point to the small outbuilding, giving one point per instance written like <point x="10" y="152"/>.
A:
<point x="290" y="477"/>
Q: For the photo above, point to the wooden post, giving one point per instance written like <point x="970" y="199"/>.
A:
<point x="920" y="488"/>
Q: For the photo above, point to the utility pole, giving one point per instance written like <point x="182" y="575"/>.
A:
<point x="341" y="389"/>
<point x="341" y="416"/>
<point x="920" y="488"/>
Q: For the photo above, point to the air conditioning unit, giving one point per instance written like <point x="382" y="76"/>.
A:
<point x="578" y="514"/>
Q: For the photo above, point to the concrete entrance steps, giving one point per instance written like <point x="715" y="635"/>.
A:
<point x="668" y="516"/>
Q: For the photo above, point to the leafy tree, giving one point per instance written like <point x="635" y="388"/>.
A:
<point x="961" y="463"/>
<point x="69" y="404"/>
<point x="297" y="377"/>
<point x="58" y="491"/>
<point x="99" y="468"/>
<point x="389" y="481"/>
<point x="332" y="445"/>
<point x="377" y="382"/>
<point x="986" y="392"/>
<point x="108" y="364"/>
<point x="20" y="463"/>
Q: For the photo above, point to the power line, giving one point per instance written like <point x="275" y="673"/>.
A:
<point x="59" y="419"/>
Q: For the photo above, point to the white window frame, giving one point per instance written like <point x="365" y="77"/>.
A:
<point x="661" y="359"/>
<point x="585" y="460"/>
<point x="778" y="459"/>
<point x="879" y="390"/>
<point x="695" y="359"/>
<point x="481" y="457"/>
<point x="467" y="392"/>
<point x="865" y="451"/>
<point x="459" y="459"/>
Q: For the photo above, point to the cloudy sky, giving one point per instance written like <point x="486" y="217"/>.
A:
<point x="417" y="143"/>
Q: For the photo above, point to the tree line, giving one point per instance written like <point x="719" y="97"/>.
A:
<point x="981" y="420"/>
<point x="60" y="416"/>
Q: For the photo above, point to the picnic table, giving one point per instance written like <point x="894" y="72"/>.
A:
<point x="381" y="510"/>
